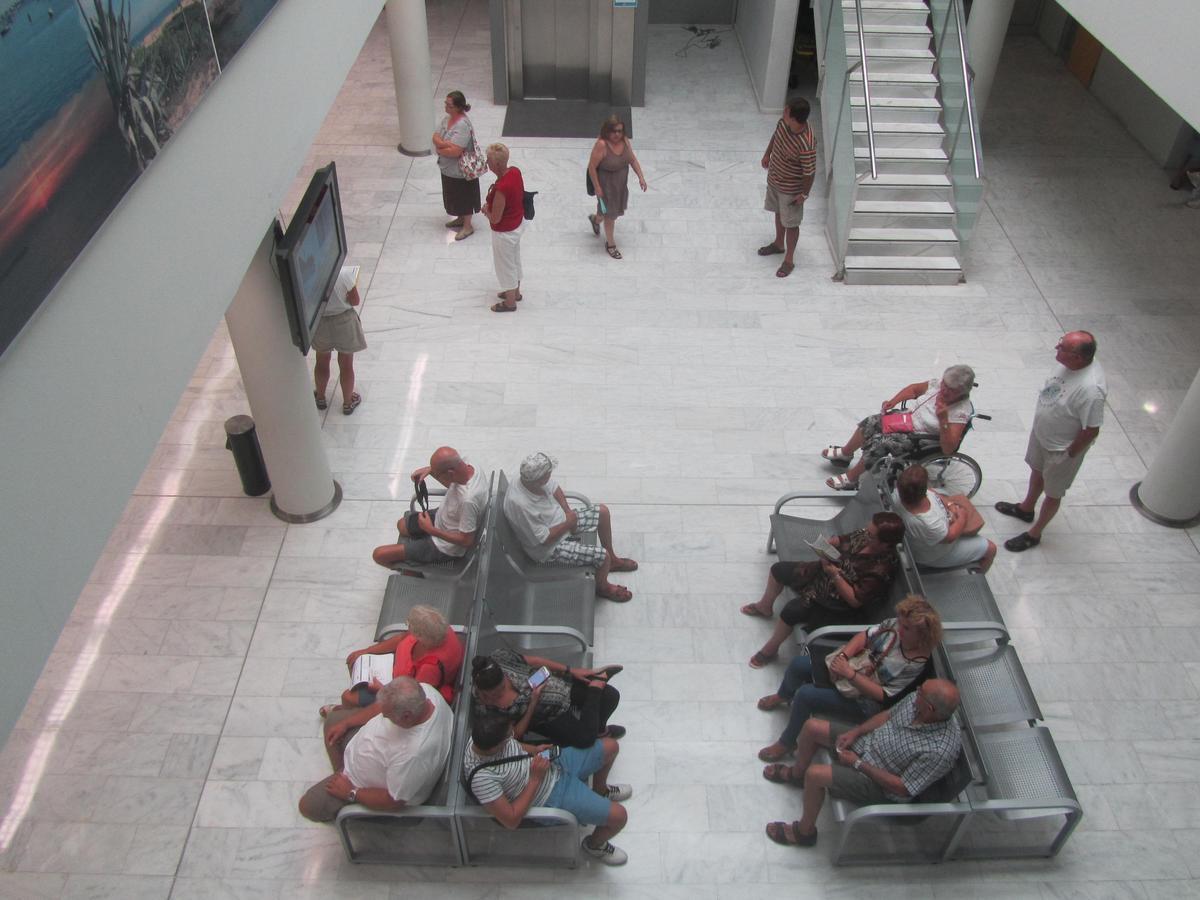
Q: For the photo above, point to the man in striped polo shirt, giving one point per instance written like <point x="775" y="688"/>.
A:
<point x="791" y="164"/>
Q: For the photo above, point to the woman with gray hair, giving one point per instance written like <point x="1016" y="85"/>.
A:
<point x="937" y="419"/>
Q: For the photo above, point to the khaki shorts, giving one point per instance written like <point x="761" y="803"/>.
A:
<point x="790" y="214"/>
<point x="1058" y="470"/>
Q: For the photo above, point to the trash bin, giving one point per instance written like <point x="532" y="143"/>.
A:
<point x="242" y="440"/>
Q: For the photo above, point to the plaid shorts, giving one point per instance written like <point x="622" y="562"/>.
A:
<point x="570" y="551"/>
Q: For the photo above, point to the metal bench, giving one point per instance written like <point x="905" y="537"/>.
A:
<point x="448" y="569"/>
<point x="854" y="510"/>
<point x="993" y="686"/>
<point x="965" y="602"/>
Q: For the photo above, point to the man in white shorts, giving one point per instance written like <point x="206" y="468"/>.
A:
<point x="545" y="525"/>
<point x="942" y="531"/>
<point x="448" y="532"/>
<point x="1069" y="413"/>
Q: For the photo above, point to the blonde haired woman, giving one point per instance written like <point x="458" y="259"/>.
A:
<point x="505" y="211"/>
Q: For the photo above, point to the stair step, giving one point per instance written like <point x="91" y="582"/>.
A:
<point x="874" y="53"/>
<point x="897" y="102"/>
<point x="902" y="153"/>
<point x="904" y="207"/>
<point x="881" y="28"/>
<point x="896" y="77"/>
<point x="904" y="5"/>
<point x="903" y="234"/>
<point x="903" y="262"/>
<point x="903" y="180"/>
<point x="899" y="128"/>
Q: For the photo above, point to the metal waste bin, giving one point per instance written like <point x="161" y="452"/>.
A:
<point x="242" y="440"/>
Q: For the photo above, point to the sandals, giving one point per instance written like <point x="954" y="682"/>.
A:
<point x="353" y="404"/>
<point x="463" y="235"/>
<point x="595" y="225"/>
<point x="455" y="223"/>
<point x="609" y="671"/>
<point x="836" y="455"/>
<point x="775" y="753"/>
<point x="1021" y="542"/>
<point x="841" y="483"/>
<point x="613" y="251"/>
<point x="778" y="832"/>
<point x="1011" y="509"/>
<point x="754" y="612"/>
<point x="782" y="773"/>
<point x="784" y="270"/>
<point x="502" y="307"/>
<point x="770" y="702"/>
<point x="500" y="296"/>
<point x="769" y="249"/>
<point x="614" y="592"/>
<point x="322" y="403"/>
<point x="760" y="659"/>
<point x="622" y="564"/>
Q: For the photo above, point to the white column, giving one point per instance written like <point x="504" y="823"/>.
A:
<point x="986" y="29"/>
<point x="280" y="391"/>
<point x="408" y="33"/>
<point x="1170" y="492"/>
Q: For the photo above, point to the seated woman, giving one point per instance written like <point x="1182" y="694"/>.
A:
<point x="570" y="708"/>
<point x="940" y="413"/>
<point x="943" y="531"/>
<point x="842" y="593"/>
<point x="428" y="651"/>
<point x="899" y="648"/>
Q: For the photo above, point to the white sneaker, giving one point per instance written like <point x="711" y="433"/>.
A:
<point x="619" y="793"/>
<point x="608" y="854"/>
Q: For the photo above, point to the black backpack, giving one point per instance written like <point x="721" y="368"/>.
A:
<point x="529" y="195"/>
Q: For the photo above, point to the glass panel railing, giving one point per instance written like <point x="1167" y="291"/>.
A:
<point x="964" y="159"/>
<point x="838" y="134"/>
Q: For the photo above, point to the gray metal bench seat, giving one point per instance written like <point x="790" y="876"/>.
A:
<point x="965" y="602"/>
<point x="854" y="511"/>
<point x="448" y="569"/>
<point x="993" y="686"/>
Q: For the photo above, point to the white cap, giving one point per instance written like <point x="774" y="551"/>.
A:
<point x="537" y="466"/>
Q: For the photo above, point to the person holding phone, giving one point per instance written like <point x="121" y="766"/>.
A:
<point x="568" y="706"/>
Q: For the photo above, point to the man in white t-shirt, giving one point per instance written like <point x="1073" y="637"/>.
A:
<point x="942" y="531"/>
<point x="392" y="761"/>
<point x="546" y="525"/>
<point x="448" y="532"/>
<point x="1070" y="410"/>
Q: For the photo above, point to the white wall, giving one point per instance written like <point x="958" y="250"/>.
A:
<point x="86" y="389"/>
<point x="766" y="30"/>
<point x="1156" y="40"/>
<point x="1155" y="125"/>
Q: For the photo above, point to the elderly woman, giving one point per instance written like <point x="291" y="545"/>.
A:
<point x="898" y="651"/>
<point x="609" y="165"/>
<point x="460" y="190"/>
<point x="845" y="592"/>
<point x="570" y="708"/>
<point x="943" y="530"/>
<point x="505" y="211"/>
<point x="938" y="418"/>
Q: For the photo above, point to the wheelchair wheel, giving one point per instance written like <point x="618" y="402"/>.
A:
<point x="954" y="473"/>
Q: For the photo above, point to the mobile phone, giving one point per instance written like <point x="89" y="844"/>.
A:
<point x="550" y="753"/>
<point x="539" y="676"/>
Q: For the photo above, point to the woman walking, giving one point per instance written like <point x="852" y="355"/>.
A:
<point x="609" y="165"/>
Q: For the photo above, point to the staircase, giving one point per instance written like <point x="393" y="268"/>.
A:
<point x="903" y="226"/>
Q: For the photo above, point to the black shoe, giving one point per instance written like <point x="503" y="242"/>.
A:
<point x="1021" y="542"/>
<point x="1011" y="509"/>
<point x="616" y="732"/>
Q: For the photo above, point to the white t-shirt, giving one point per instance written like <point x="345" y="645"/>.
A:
<point x="337" y="297"/>
<point x="532" y="516"/>
<point x="407" y="761"/>
<point x="924" y="410"/>
<point x="1072" y="399"/>
<point x="505" y="780"/>
<point x="926" y="531"/>
<point x="461" y="510"/>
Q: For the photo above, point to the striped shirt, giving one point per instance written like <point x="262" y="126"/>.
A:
<point x="920" y="753"/>
<point x="506" y="780"/>
<point x="793" y="162"/>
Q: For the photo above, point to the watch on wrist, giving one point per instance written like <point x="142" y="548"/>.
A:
<point x="353" y="798"/>
<point x="858" y="764"/>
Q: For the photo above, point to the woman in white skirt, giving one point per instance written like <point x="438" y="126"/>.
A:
<point x="340" y="330"/>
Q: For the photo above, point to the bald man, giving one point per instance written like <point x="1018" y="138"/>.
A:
<point x="892" y="757"/>
<point x="445" y="533"/>
<point x="1070" y="410"/>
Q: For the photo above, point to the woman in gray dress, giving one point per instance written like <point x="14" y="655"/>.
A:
<point x="609" y="167"/>
<point x="460" y="194"/>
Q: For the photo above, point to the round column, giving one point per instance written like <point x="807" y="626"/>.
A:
<point x="280" y="393"/>
<point x="1170" y="492"/>
<point x="408" y="33"/>
<point x="986" y="28"/>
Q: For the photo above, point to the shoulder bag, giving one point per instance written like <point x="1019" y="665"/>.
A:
<point x="473" y="163"/>
<point x="867" y="662"/>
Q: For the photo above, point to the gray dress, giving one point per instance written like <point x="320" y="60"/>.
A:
<point x="613" y="172"/>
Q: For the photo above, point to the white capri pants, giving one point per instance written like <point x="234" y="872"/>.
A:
<point x="506" y="256"/>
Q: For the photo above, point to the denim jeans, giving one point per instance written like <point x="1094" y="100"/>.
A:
<point x="806" y="698"/>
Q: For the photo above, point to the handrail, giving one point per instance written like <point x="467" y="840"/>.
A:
<point x="962" y="55"/>
<point x="862" y="49"/>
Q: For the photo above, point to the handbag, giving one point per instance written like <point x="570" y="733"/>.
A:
<point x="473" y="163"/>
<point x="528" y="203"/>
<point x="866" y="661"/>
<point x="896" y="423"/>
<point x="591" y="188"/>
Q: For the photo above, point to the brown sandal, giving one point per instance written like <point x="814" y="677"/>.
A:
<point x="784" y="270"/>
<point x="613" y="251"/>
<point x="770" y="702"/>
<point x="782" y="773"/>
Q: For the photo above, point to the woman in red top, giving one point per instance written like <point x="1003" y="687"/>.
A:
<point x="505" y="210"/>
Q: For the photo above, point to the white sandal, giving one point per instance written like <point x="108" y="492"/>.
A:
<point x="834" y="454"/>
<point x="841" y="483"/>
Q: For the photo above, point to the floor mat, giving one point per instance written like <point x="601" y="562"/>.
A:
<point x="560" y="118"/>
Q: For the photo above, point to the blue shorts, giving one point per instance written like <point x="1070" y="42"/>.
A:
<point x="572" y="791"/>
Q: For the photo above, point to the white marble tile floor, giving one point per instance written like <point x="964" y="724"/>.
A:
<point x="167" y="743"/>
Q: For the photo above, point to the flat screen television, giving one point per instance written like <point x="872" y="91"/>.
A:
<point x="310" y="254"/>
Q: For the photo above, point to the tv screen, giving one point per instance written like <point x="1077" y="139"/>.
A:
<point x="310" y="254"/>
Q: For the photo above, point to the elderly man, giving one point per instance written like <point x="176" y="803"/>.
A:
<point x="508" y="778"/>
<point x="391" y="762"/>
<point x="1070" y="411"/>
<point x="891" y="757"/>
<point x="791" y="164"/>
<point x="942" y="531"/>
<point x="545" y="525"/>
<point x="448" y="532"/>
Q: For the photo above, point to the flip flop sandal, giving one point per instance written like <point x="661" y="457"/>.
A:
<point x="595" y="225"/>
<point x="777" y="831"/>
<point x="781" y="773"/>
<point x="500" y="296"/>
<point x="1011" y="509"/>
<point x="455" y="224"/>
<point x="770" y="702"/>
<point x="463" y="235"/>
<point x="841" y="483"/>
<point x="500" y="307"/>
<point x="616" y="593"/>
<point x="1021" y="542"/>
<point x="760" y="659"/>
<point x="609" y="671"/>
<point x="322" y="403"/>
<point x="623" y="564"/>
<point x="834" y="454"/>
<point x="784" y="270"/>
<point x="753" y="612"/>
<point x="769" y="250"/>
<point x="355" y="401"/>
<point x="775" y="752"/>
<point x="613" y="251"/>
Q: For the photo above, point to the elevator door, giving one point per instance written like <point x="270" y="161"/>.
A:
<point x="555" y="45"/>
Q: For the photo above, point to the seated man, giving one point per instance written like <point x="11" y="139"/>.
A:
<point x="538" y="512"/>
<point x="508" y="790"/>
<point x="392" y="761"/>
<point x="892" y="757"/>
<point x="942" y="531"/>
<point x="448" y="532"/>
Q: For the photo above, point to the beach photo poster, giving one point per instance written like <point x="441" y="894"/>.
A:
<point x="233" y="21"/>
<point x="90" y="92"/>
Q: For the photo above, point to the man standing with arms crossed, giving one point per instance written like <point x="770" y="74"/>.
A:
<point x="1070" y="410"/>
<point x="791" y="164"/>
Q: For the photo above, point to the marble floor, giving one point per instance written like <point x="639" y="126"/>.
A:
<point x="166" y="745"/>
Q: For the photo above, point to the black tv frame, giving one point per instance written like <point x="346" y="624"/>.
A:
<point x="324" y="184"/>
